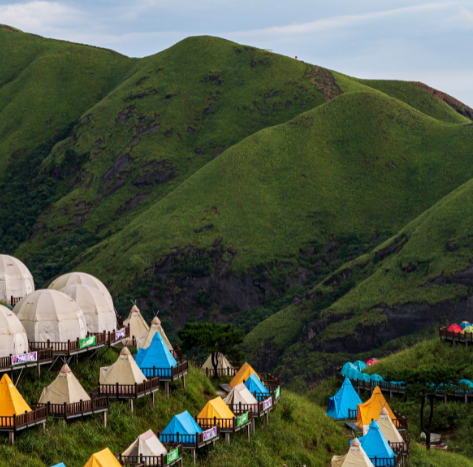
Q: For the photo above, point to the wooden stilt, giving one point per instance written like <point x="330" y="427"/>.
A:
<point x="104" y="417"/>
<point x="227" y="437"/>
<point x="253" y="425"/>
<point x="183" y="382"/>
<point x="11" y="438"/>
<point x="248" y="432"/>
<point x="166" y="389"/>
<point x="193" y="454"/>
<point x="152" y="397"/>
<point x="130" y="402"/>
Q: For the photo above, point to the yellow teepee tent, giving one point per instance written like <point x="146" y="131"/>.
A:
<point x="217" y="409"/>
<point x="243" y="374"/>
<point x="11" y="401"/>
<point x="103" y="458"/>
<point x="371" y="409"/>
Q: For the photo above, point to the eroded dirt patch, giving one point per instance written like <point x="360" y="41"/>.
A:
<point x="324" y="81"/>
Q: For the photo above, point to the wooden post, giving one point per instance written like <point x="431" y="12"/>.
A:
<point x="253" y="425"/>
<point x="266" y="418"/>
<point x="166" y="389"/>
<point x="227" y="437"/>
<point x="183" y="381"/>
<point x="39" y="369"/>
<point x="104" y="417"/>
<point x="193" y="454"/>
<point x="152" y="397"/>
<point x="11" y="438"/>
<point x="130" y="401"/>
<point x="390" y="395"/>
<point x="445" y="398"/>
<point x="248" y="432"/>
<point x="466" y="398"/>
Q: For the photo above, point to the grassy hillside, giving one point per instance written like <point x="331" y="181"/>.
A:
<point x="411" y="282"/>
<point x="298" y="431"/>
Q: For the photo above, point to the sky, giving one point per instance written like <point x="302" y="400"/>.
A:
<point x="415" y="40"/>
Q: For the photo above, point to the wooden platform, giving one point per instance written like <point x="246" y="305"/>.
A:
<point x="20" y="422"/>
<point x="172" y="458"/>
<point x="129" y="391"/>
<point x="44" y="357"/>
<point x="167" y="374"/>
<point x="80" y="409"/>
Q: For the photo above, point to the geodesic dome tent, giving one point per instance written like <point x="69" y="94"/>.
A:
<point x="83" y="278"/>
<point x="15" y="279"/>
<point x="99" y="315"/>
<point x="13" y="339"/>
<point x="51" y="315"/>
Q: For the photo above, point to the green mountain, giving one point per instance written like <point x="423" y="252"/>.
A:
<point x="217" y="181"/>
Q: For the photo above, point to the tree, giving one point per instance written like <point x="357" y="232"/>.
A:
<point x="214" y="338"/>
<point x="425" y="383"/>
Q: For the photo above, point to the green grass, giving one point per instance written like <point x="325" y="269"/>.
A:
<point x="298" y="432"/>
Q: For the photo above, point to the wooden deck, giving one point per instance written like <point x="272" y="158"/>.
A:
<point x="81" y="409"/>
<point x="397" y="461"/>
<point x="197" y="441"/>
<point x="227" y="425"/>
<point x="129" y="391"/>
<point x="455" y="337"/>
<point x="167" y="374"/>
<point x="17" y="423"/>
<point x="256" y="410"/>
<point x="174" y="457"/>
<point x="400" y="422"/>
<point x="221" y="372"/>
<point x="44" y="357"/>
<point x="93" y="341"/>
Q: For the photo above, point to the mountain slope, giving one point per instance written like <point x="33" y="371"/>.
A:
<point x="419" y="278"/>
<point x="283" y="202"/>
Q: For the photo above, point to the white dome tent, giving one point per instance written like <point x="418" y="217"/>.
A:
<point x="51" y="315"/>
<point x="99" y="315"/>
<point x="13" y="340"/>
<point x="73" y="278"/>
<point x="15" y="279"/>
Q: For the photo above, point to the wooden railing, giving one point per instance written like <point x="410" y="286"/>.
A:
<point x="191" y="441"/>
<point x="172" y="373"/>
<point x="224" y="423"/>
<point x="72" y="347"/>
<point x="144" y="461"/>
<point x="18" y="422"/>
<point x="396" y="461"/>
<point x="370" y="385"/>
<point x="81" y="408"/>
<point x="129" y="390"/>
<point x="14" y="300"/>
<point x="256" y="409"/>
<point x="220" y="372"/>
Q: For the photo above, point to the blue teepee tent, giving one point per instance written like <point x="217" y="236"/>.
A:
<point x="254" y="385"/>
<point x="183" y="424"/>
<point x="59" y="465"/>
<point x="156" y="356"/>
<point x="346" y="398"/>
<point x="376" y="446"/>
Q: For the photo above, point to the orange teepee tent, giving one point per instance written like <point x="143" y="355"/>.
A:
<point x="371" y="409"/>
<point x="243" y="374"/>
<point x="11" y="401"/>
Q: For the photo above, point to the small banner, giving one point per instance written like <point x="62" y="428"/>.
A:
<point x="87" y="342"/>
<point x="119" y="334"/>
<point x="277" y="393"/>
<point x="209" y="434"/>
<point x="242" y="419"/>
<point x="267" y="403"/>
<point x="172" y="456"/>
<point x="24" y="358"/>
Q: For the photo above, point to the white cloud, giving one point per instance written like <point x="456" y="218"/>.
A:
<point x="35" y="15"/>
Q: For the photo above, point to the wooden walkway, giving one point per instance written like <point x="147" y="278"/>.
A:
<point x="13" y="424"/>
<point x="14" y="362"/>
<point x="455" y="337"/>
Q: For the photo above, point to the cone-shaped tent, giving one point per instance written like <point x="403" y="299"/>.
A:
<point x="145" y="445"/>
<point x="59" y="465"/>
<point x="375" y="444"/>
<point x="138" y="326"/>
<point x="51" y="315"/>
<point x="240" y="394"/>
<point x="144" y="341"/>
<point x="64" y="389"/>
<point x="81" y="278"/>
<point x="99" y="315"/>
<point x="387" y="427"/>
<point x="156" y="355"/>
<point x="103" y="458"/>
<point x="218" y="410"/>
<point x="356" y="457"/>
<point x="254" y="385"/>
<point x="346" y="398"/>
<point x="222" y="363"/>
<point x="123" y="371"/>
<point x="11" y="401"/>
<point x="243" y="374"/>
<point x="15" y="279"/>
<point x="183" y="424"/>
<point x="13" y="339"/>
<point x="371" y="409"/>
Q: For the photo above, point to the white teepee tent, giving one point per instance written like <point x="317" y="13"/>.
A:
<point x="356" y="457"/>
<point x="144" y="341"/>
<point x="387" y="428"/>
<point x="64" y="389"/>
<point x="138" y="325"/>
<point x="147" y="444"/>
<point x="123" y="371"/>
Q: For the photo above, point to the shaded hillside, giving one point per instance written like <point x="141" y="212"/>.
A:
<point x="283" y="206"/>
<point x="420" y="278"/>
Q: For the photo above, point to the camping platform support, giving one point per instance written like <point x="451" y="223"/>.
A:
<point x="227" y="437"/>
<point x="183" y="381"/>
<point x="104" y="417"/>
<point x="130" y="402"/>
<point x="152" y="397"/>
<point x="11" y="438"/>
<point x="166" y="389"/>
<point x="248" y="429"/>
<point x="253" y="425"/>
<point x="266" y="418"/>
<point x="445" y="399"/>
<point x="466" y="398"/>
<point x="193" y="454"/>
<point x="390" y="395"/>
<point x="39" y="370"/>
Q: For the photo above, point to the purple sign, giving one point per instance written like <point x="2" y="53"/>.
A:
<point x="119" y="334"/>
<point x="267" y="403"/>
<point x="24" y="358"/>
<point x="209" y="434"/>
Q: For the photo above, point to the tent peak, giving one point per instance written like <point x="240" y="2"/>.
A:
<point x="125" y="351"/>
<point x="156" y="320"/>
<point x="135" y="309"/>
<point x="356" y="442"/>
<point x="66" y="369"/>
<point x="384" y="411"/>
